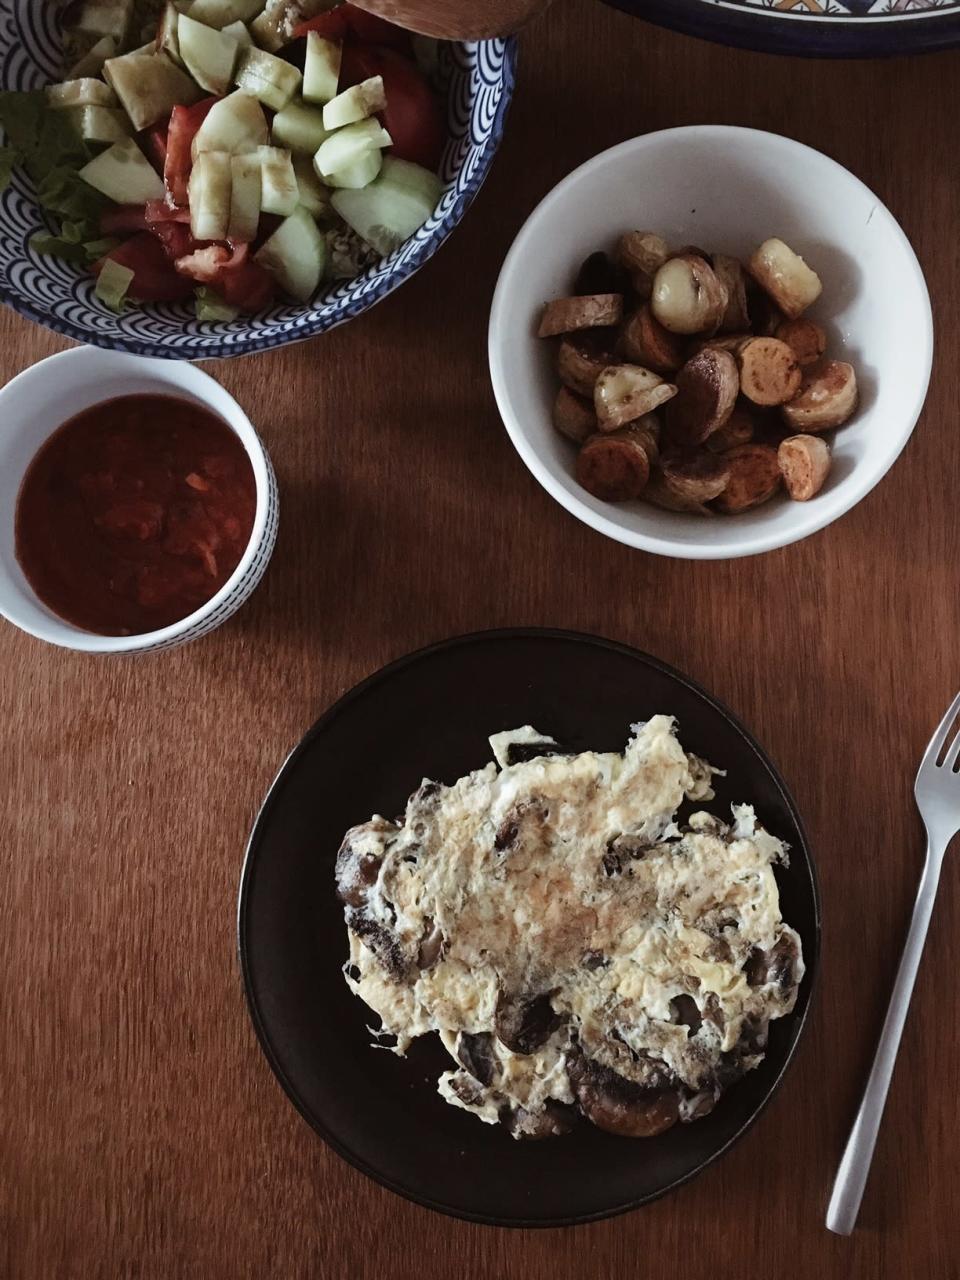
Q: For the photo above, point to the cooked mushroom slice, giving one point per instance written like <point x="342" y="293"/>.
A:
<point x="696" y="479"/>
<point x="614" y="467"/>
<point x="384" y="944"/>
<point x="739" y="428"/>
<point x="644" y="340"/>
<point x="642" y="254"/>
<point x="525" y="1023"/>
<point x="774" y="967"/>
<point x="687" y="296"/>
<point x="686" y="1012"/>
<point x="432" y="946"/>
<point x="573" y="416"/>
<point x="357" y="866"/>
<point x="707" y="388"/>
<point x="659" y="495"/>
<point x="826" y="398"/>
<point x="619" y="1106"/>
<point x="804" y="464"/>
<point x="477" y="1054"/>
<point x="600" y="274"/>
<point x="532" y="1126"/>
<point x="769" y="372"/>
<point x="754" y="478"/>
<point x="582" y="359"/>
<point x="565" y="315"/>
<point x="805" y="337"/>
<point x="730" y="274"/>
<point x="625" y="392"/>
<point x="786" y="277"/>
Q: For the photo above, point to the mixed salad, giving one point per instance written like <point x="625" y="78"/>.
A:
<point x="249" y="148"/>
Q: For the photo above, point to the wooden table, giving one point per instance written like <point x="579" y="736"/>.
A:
<point x="142" y="1132"/>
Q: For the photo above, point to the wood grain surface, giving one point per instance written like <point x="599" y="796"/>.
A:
<point x="142" y="1132"/>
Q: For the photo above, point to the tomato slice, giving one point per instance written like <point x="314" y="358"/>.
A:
<point x="412" y="116"/>
<point x="175" y="238"/>
<point x="123" y="220"/>
<point x="184" y="123"/>
<point x="240" y="281"/>
<point x="155" y="144"/>
<point x="160" y="211"/>
<point x="347" y="21"/>
<point x="154" y="279"/>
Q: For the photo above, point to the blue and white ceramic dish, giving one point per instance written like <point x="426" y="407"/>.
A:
<point x="478" y="80"/>
<point x="817" y="28"/>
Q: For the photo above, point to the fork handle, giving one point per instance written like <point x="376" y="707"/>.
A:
<point x="855" y="1165"/>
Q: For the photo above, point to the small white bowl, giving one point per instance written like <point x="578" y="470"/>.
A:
<point x="45" y="396"/>
<point x="726" y="189"/>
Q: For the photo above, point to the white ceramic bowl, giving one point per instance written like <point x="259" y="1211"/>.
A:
<point x="726" y="189"/>
<point x="40" y="400"/>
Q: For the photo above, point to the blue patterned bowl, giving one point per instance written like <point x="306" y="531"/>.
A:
<point x="478" y="80"/>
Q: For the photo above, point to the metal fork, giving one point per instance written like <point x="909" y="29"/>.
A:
<point x="937" y="791"/>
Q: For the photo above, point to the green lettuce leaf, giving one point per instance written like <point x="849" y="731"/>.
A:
<point x="211" y="307"/>
<point x="9" y="159"/>
<point x="112" y="284"/>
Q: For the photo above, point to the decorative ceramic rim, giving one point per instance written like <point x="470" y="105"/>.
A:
<point x="253" y="852"/>
<point x="814" y="35"/>
<point x="358" y="295"/>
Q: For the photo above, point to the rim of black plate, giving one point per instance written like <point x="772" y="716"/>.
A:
<point x="252" y="850"/>
<point x="807" y="35"/>
<point x="256" y="344"/>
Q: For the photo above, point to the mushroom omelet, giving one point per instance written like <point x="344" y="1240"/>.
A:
<point x="578" y="952"/>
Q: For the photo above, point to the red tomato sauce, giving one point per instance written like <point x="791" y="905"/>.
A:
<point x="134" y="514"/>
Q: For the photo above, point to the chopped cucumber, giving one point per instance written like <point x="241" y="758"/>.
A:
<point x="245" y="189"/>
<point x="124" y="174"/>
<point x="210" y="188"/>
<point x="391" y="209"/>
<point x="355" y="103"/>
<point x="211" y="308"/>
<point x="168" y="38"/>
<point x="100" y="124"/>
<point x="280" y="192"/>
<point x="268" y="29"/>
<point x="105" y="18"/>
<point x="295" y="255"/>
<point x="112" y="284"/>
<point x="345" y="146"/>
<point x="149" y="86"/>
<point x="84" y="92"/>
<point x="299" y="128"/>
<point x="236" y="124"/>
<point x="321" y="69"/>
<point x="208" y="55"/>
<point x="314" y="195"/>
<point x="91" y="64"/>
<point x="240" y="34"/>
<point x="221" y="13"/>
<point x="268" y="78"/>
<point x="359" y="172"/>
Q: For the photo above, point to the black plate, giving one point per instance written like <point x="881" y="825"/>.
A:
<point x="430" y="715"/>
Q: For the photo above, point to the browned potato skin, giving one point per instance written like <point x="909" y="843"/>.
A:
<point x="696" y="479"/>
<point x="646" y="431"/>
<point x="804" y="464"/>
<point x="573" y="416"/>
<point x="827" y="398"/>
<point x="566" y="315"/>
<point x="645" y="341"/>
<point x="765" y="317"/>
<point x="806" y="338"/>
<point x="614" y="467"/>
<point x="659" y="495"/>
<point x="769" y="371"/>
<point x="739" y="428"/>
<point x="731" y="275"/>
<point x="754" y="478"/>
<point x="581" y="360"/>
<point x="642" y="251"/>
<point x="707" y="388"/>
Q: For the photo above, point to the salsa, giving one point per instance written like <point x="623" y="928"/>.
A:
<point x="134" y="514"/>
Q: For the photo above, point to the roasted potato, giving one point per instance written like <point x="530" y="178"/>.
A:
<point x="599" y="274"/>
<point x="641" y="254"/>
<point x="804" y="464"/>
<point x="785" y="276"/>
<point x="573" y="416"/>
<point x="660" y="495"/>
<point x="696" y="479"/>
<point x="806" y="338"/>
<point x="645" y="341"/>
<point x="687" y="296"/>
<point x="582" y="359"/>
<point x="769" y="371"/>
<point x="707" y="388"/>
<point x="625" y="392"/>
<point x="754" y="478"/>
<point x="826" y="398"/>
<point x="739" y="428"/>
<point x="566" y="315"/>
<point x="729" y="272"/>
<point x="614" y="467"/>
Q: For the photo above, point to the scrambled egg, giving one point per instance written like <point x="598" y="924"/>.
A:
<point x="577" y="951"/>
